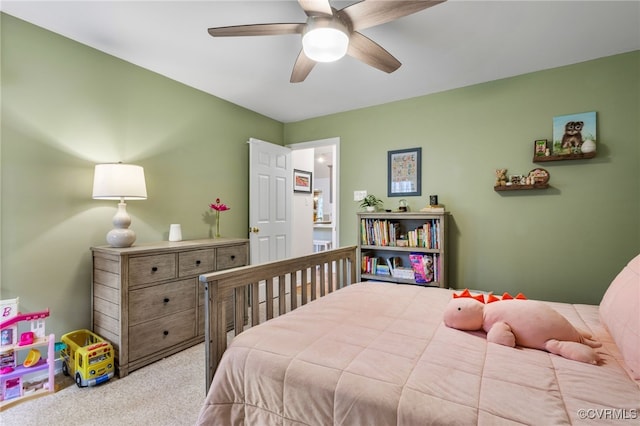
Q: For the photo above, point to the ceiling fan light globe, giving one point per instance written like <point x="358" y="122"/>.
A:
<point x="325" y="44"/>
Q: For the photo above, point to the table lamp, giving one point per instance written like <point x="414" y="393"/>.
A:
<point x="119" y="181"/>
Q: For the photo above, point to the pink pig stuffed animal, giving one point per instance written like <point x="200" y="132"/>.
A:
<point x="521" y="322"/>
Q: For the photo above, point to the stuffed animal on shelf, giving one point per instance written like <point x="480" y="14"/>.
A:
<point x="501" y="177"/>
<point x="515" y="321"/>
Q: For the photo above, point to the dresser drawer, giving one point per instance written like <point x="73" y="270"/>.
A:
<point x="150" y="269"/>
<point x="196" y="262"/>
<point x="231" y="257"/>
<point x="160" y="334"/>
<point x="160" y="300"/>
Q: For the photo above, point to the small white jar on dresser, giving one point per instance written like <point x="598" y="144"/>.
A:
<point x="147" y="300"/>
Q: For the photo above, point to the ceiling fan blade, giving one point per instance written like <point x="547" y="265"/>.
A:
<point x="302" y="68"/>
<point x="256" y="30"/>
<point x="316" y="7"/>
<point x="367" y="14"/>
<point x="371" y="53"/>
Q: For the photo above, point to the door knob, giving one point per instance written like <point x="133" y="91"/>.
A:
<point x="254" y="229"/>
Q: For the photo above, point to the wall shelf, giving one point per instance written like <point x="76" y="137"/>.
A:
<point x="545" y="158"/>
<point x="521" y="187"/>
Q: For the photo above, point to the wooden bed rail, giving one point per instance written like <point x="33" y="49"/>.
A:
<point x="307" y="278"/>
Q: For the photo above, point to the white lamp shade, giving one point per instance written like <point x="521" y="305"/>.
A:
<point x="325" y="44"/>
<point x="119" y="181"/>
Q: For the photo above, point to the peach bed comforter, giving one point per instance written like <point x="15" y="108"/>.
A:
<point x="379" y="354"/>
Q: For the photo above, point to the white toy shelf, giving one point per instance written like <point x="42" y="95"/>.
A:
<point x="15" y="384"/>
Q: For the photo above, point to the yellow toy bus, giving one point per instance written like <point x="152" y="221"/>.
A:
<point x="87" y="357"/>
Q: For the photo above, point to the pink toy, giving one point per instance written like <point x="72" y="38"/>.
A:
<point x="15" y="384"/>
<point x="517" y="321"/>
<point x="26" y="338"/>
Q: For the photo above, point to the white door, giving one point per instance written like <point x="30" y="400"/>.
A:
<point x="270" y="192"/>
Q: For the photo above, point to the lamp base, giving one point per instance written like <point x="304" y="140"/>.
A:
<point x="121" y="237"/>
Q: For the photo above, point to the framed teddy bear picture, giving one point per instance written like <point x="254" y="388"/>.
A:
<point x="574" y="133"/>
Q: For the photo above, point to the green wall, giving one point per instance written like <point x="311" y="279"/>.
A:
<point x="566" y="243"/>
<point x="66" y="107"/>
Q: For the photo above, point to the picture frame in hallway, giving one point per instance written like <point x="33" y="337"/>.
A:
<point x="404" y="172"/>
<point x="302" y="181"/>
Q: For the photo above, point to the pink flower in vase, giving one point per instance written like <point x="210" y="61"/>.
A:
<point x="218" y="207"/>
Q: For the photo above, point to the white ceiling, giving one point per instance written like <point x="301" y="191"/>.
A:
<point x="454" y="44"/>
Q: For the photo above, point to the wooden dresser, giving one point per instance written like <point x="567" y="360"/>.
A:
<point x="147" y="299"/>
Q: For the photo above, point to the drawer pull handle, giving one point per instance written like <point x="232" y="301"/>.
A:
<point x="198" y="262"/>
<point x="233" y="257"/>
<point x="154" y="269"/>
<point x="166" y="332"/>
<point x="166" y="300"/>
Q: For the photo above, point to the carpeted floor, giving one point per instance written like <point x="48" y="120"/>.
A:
<point x="168" y="392"/>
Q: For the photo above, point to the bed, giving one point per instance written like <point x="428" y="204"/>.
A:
<point x="378" y="353"/>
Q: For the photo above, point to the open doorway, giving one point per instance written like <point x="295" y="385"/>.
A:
<point x="315" y="222"/>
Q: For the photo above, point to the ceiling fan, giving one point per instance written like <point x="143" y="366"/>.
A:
<point x="329" y="34"/>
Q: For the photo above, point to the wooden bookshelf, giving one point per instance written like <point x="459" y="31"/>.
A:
<point x="379" y="239"/>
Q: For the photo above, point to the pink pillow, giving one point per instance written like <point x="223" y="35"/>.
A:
<point x="620" y="313"/>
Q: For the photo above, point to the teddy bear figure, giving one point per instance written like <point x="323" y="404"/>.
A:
<point x="517" y="321"/>
<point x="501" y="177"/>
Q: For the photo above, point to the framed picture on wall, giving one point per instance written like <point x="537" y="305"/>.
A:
<point x="540" y="148"/>
<point x="571" y="131"/>
<point x="302" y="181"/>
<point x="404" y="172"/>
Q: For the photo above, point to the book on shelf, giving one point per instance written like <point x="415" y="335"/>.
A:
<point x="431" y="231"/>
<point x="438" y="208"/>
<point x="427" y="235"/>
<point x="394" y="262"/>
<point x="425" y="267"/>
<point x="376" y="265"/>
<point x="374" y="232"/>
<point x="384" y="233"/>
<point x="397" y="270"/>
<point x="365" y="264"/>
<point x="382" y="269"/>
<point x="394" y="233"/>
<point x="403" y="272"/>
